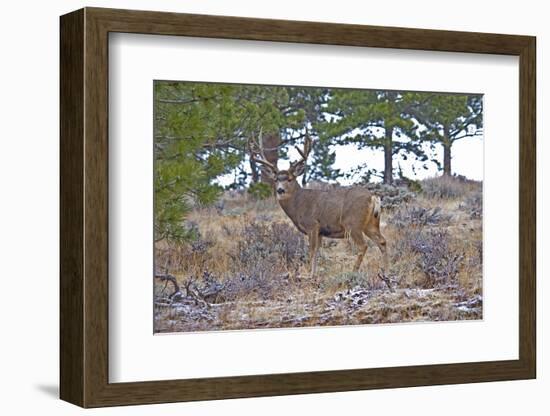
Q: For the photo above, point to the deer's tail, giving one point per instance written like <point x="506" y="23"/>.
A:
<point x="376" y="206"/>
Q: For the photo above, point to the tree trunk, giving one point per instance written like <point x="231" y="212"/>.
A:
<point x="270" y="143"/>
<point x="388" y="156"/>
<point x="447" y="159"/>
<point x="254" y="169"/>
<point x="446" y="152"/>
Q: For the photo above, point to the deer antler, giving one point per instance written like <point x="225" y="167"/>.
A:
<point x="307" y="148"/>
<point x="258" y="149"/>
<point x="298" y="167"/>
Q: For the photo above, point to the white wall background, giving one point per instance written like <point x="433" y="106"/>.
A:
<point x="29" y="171"/>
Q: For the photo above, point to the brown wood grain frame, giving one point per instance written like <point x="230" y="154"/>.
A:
<point x="84" y="215"/>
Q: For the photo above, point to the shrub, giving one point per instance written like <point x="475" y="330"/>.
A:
<point x="259" y="284"/>
<point x="445" y="187"/>
<point x="200" y="246"/>
<point x="419" y="216"/>
<point x="391" y="196"/>
<point x="438" y="261"/>
<point x="433" y="256"/>
<point x="289" y="244"/>
<point x="347" y="279"/>
<point x="260" y="190"/>
<point x="262" y="285"/>
<point x="473" y="205"/>
<point x="263" y="243"/>
<point x="211" y="289"/>
<point x="476" y="259"/>
<point x="411" y="184"/>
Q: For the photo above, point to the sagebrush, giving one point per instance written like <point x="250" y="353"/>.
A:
<point x="247" y="265"/>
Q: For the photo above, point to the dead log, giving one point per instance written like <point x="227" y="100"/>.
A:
<point x="172" y="279"/>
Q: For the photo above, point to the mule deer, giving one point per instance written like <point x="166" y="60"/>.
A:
<point x="346" y="212"/>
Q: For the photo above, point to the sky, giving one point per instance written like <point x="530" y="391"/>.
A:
<point x="467" y="160"/>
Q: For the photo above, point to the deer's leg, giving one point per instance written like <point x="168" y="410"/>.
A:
<point x="359" y="240"/>
<point x="314" y="243"/>
<point x="373" y="232"/>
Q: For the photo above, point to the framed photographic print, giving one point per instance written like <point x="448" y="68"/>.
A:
<point x="255" y="207"/>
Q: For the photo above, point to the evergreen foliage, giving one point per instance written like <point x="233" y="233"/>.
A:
<point x="202" y="130"/>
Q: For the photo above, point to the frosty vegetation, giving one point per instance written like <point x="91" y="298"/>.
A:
<point x="247" y="267"/>
<point x="227" y="257"/>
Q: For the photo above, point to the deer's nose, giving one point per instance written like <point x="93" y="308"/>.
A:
<point x="280" y="191"/>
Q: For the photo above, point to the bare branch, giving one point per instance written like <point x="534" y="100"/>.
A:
<point x="477" y="133"/>
<point x="169" y="278"/>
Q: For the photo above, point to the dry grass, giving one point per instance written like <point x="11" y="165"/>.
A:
<point x="248" y="268"/>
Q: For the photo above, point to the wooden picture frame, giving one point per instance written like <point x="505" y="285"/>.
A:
<point x="84" y="207"/>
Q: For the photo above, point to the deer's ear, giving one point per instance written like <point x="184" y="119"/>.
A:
<point x="298" y="168"/>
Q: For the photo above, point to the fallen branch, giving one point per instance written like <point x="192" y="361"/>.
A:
<point x="194" y="293"/>
<point x="382" y="276"/>
<point x="169" y="278"/>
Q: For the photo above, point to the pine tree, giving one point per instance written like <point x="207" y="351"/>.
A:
<point x="375" y="119"/>
<point x="201" y="131"/>
<point x="448" y="118"/>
